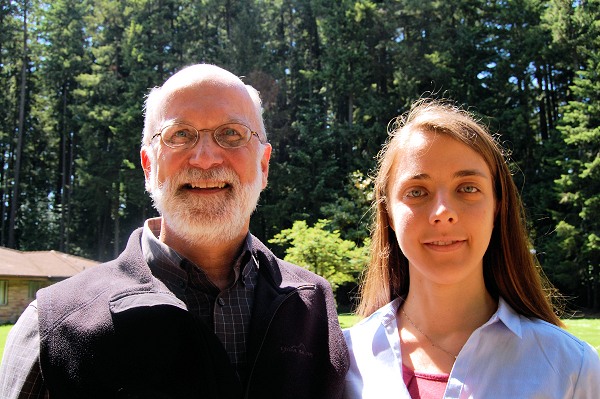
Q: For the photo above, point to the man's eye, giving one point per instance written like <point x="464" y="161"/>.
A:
<point x="180" y="135"/>
<point x="230" y="133"/>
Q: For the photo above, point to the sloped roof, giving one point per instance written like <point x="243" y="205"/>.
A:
<point x="51" y="264"/>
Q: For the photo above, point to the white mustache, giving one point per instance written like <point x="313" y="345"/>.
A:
<point x="190" y="176"/>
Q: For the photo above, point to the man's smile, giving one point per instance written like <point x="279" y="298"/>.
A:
<point x="206" y="185"/>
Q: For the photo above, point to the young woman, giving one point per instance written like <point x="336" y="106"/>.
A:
<point x="455" y="303"/>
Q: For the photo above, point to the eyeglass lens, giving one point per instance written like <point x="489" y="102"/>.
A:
<point x="180" y="135"/>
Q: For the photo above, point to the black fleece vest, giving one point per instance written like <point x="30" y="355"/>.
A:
<point x="115" y="331"/>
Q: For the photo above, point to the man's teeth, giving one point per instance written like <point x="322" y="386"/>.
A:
<point x="208" y="185"/>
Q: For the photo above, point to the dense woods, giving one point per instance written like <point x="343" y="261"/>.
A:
<point x="332" y="74"/>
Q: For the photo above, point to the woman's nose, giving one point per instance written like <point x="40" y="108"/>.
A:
<point x="443" y="210"/>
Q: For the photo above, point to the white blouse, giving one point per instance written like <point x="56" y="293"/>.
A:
<point x="510" y="356"/>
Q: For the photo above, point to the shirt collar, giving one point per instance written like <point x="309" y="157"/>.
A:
<point x="389" y="311"/>
<point x="506" y="315"/>
<point x="155" y="250"/>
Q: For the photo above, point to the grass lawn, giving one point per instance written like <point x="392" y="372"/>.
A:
<point x="348" y="319"/>
<point x="585" y="329"/>
<point x="3" y="333"/>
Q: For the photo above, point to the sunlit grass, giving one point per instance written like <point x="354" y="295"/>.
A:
<point x="348" y="319"/>
<point x="585" y="329"/>
<point x="3" y="334"/>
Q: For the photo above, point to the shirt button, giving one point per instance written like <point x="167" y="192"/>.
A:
<point x="221" y="301"/>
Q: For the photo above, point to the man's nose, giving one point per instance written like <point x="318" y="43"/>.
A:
<point x="206" y="153"/>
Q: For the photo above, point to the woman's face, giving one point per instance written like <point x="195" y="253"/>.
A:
<point x="442" y="206"/>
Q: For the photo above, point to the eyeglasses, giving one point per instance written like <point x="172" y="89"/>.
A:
<point x="182" y="136"/>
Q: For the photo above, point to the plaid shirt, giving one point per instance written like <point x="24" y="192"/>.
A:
<point x="227" y="312"/>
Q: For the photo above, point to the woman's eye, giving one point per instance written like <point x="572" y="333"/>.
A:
<point x="415" y="193"/>
<point x="469" y="189"/>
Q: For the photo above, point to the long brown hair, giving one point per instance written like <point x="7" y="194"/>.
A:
<point x="510" y="269"/>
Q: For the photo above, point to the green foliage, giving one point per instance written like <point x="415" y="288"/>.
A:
<point x="579" y="185"/>
<point x="351" y="214"/>
<point x="332" y="74"/>
<point x="578" y="227"/>
<point x="323" y="252"/>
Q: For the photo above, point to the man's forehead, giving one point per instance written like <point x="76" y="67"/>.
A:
<point x="197" y="94"/>
<point x="216" y="83"/>
<point x="212" y="103"/>
<point x="201" y="75"/>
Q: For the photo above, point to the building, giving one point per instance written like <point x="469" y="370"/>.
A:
<point x="23" y="273"/>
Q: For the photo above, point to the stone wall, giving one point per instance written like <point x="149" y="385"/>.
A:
<point x="18" y="299"/>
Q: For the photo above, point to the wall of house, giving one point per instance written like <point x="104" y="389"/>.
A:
<point x="18" y="298"/>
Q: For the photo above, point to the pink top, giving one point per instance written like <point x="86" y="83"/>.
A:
<point x="423" y="385"/>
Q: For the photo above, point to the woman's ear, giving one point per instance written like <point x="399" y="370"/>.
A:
<point x="388" y="215"/>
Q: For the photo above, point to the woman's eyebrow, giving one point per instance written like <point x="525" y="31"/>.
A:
<point x="458" y="174"/>
<point x="470" y="172"/>
<point x="419" y="176"/>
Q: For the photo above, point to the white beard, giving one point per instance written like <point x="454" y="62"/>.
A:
<point x="198" y="220"/>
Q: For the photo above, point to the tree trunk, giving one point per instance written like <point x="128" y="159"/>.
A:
<point x="64" y="204"/>
<point x="20" y="132"/>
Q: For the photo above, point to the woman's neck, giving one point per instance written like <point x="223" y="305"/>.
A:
<point x="434" y="324"/>
<point x="449" y="310"/>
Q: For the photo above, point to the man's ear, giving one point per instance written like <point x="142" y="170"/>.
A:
<point x="264" y="163"/>
<point x="146" y="161"/>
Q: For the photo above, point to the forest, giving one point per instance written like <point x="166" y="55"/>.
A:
<point x="332" y="74"/>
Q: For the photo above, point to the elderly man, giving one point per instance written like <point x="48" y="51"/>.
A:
<point x="195" y="306"/>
